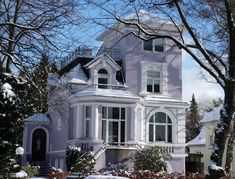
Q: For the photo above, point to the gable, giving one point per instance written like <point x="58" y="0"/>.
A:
<point x="103" y="59"/>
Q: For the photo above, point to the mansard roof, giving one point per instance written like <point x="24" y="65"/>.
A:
<point x="89" y="61"/>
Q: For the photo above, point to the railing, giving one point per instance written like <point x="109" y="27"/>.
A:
<point x="116" y="145"/>
<point x="169" y="148"/>
<point x="84" y="51"/>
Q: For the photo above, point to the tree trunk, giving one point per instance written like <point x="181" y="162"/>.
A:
<point x="222" y="132"/>
<point x="229" y="152"/>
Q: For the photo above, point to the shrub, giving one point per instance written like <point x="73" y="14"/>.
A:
<point x="31" y="170"/>
<point x="152" y="159"/>
<point x="57" y="173"/>
<point x="79" y="162"/>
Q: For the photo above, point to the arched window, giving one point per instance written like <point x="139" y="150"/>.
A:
<point x="160" y="128"/>
<point x="103" y="79"/>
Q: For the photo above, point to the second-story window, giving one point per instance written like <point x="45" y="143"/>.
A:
<point x="153" y="81"/>
<point x="155" y="45"/>
<point x="103" y="79"/>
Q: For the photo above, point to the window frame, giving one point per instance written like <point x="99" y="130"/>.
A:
<point x="103" y="76"/>
<point x="154" y="124"/>
<point x="153" y="49"/>
<point x="154" y="79"/>
<point x="121" y="123"/>
<point x="87" y="117"/>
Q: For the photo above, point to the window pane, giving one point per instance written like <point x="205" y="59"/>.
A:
<point x="104" y="130"/>
<point x="113" y="132"/>
<point x="148" y="45"/>
<point x="159" y="133"/>
<point x="160" y="117"/>
<point x="88" y="112"/>
<point x="159" y="45"/>
<point x="151" y="119"/>
<point x="169" y="134"/>
<point x="104" y="112"/>
<point x="169" y="120"/>
<point x="113" y="113"/>
<point x="123" y="113"/>
<point x="102" y="80"/>
<point x="87" y="128"/>
<point x="150" y="132"/>
<point x="155" y="74"/>
<point x="102" y="71"/>
<point x="149" y="85"/>
<point x="123" y="131"/>
<point x="156" y="86"/>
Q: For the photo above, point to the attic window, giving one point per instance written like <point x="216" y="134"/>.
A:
<point x="102" y="71"/>
<point x="103" y="79"/>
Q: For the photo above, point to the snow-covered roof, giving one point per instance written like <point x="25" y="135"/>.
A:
<point x="75" y="75"/>
<point x="200" y="139"/>
<point x="38" y="118"/>
<point x="107" y="93"/>
<point x="212" y="116"/>
<point x="78" y="81"/>
<point x="147" y="18"/>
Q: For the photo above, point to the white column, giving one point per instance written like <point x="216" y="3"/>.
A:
<point x="141" y="124"/>
<point x="134" y="125"/>
<point x="79" y="122"/>
<point x="94" y="121"/>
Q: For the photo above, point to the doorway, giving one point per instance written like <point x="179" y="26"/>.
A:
<point x="39" y="145"/>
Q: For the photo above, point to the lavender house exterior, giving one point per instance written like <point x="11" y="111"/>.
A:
<point x="127" y="97"/>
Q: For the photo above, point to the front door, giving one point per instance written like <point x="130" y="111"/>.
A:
<point x="39" y="145"/>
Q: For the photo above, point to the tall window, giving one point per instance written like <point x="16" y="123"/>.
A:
<point x="155" y="45"/>
<point x="103" y="79"/>
<point x="88" y="119"/>
<point x="153" y="81"/>
<point x="113" y="124"/>
<point x="160" y="128"/>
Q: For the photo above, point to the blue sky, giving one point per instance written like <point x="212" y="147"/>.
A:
<point x="193" y="81"/>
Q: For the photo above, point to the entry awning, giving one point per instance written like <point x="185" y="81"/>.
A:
<point x="38" y="118"/>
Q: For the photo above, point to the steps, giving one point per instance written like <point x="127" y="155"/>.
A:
<point x="44" y="170"/>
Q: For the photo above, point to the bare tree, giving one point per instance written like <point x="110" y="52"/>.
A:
<point x="30" y="28"/>
<point x="208" y="37"/>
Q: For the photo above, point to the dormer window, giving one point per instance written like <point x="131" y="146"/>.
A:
<point x="154" y="45"/>
<point x="103" y="79"/>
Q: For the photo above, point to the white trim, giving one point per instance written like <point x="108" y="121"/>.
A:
<point x="57" y="151"/>
<point x="47" y="138"/>
<point x="154" y="66"/>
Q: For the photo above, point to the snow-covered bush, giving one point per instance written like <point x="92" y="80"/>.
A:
<point x="13" y="109"/>
<point x="57" y="173"/>
<point x="79" y="162"/>
<point x="152" y="159"/>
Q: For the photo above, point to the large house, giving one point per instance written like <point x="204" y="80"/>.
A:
<point x="127" y="97"/>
